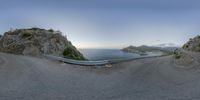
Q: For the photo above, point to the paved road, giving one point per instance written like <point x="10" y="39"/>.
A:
<point x="97" y="63"/>
<point x="29" y="78"/>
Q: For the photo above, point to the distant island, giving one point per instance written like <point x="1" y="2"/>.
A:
<point x="144" y="50"/>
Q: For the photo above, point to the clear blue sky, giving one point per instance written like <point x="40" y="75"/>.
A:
<point x="107" y="23"/>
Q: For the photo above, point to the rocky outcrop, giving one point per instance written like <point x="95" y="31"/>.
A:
<point x="36" y="42"/>
<point x="193" y="44"/>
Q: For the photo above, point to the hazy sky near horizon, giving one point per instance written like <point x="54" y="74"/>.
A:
<point x="107" y="23"/>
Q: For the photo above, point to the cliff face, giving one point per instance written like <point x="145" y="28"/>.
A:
<point x="193" y="44"/>
<point x="36" y="42"/>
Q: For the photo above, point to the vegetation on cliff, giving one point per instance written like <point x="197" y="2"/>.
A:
<point x="70" y="51"/>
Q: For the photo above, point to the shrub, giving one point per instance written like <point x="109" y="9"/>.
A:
<point x="72" y="53"/>
<point x="185" y="46"/>
<point x="177" y="54"/>
<point x="51" y="30"/>
<point x="35" y="28"/>
<point x="26" y="34"/>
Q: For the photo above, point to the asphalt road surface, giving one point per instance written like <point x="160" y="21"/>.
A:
<point x="29" y="78"/>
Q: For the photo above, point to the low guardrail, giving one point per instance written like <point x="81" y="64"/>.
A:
<point x="96" y="63"/>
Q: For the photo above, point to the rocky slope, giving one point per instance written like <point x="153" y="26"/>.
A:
<point x="188" y="55"/>
<point x="36" y="41"/>
<point x="193" y="44"/>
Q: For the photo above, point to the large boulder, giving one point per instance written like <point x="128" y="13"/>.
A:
<point x="36" y="42"/>
<point x="193" y="44"/>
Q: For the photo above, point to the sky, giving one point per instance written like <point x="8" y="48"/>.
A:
<point x="107" y="23"/>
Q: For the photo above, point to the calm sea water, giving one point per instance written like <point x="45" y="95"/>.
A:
<point x="106" y="54"/>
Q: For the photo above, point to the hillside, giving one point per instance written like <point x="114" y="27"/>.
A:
<point x="36" y="42"/>
<point x="145" y="49"/>
<point x="188" y="55"/>
<point x="140" y="49"/>
<point x="193" y="44"/>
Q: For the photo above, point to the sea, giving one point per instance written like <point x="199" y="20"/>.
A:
<point x="106" y="54"/>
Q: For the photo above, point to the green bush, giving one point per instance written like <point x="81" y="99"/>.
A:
<point x="26" y="34"/>
<point x="177" y="54"/>
<point x="185" y="46"/>
<point x="51" y="30"/>
<point x="72" y="53"/>
<point x="35" y="28"/>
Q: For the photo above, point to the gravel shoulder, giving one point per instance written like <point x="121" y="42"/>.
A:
<point x="29" y="78"/>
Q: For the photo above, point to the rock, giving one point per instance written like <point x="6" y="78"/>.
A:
<point x="193" y="44"/>
<point x="183" y="59"/>
<point x="36" y="41"/>
<point x="108" y="65"/>
<point x="31" y="50"/>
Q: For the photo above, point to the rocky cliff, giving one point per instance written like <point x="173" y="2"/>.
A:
<point x="36" y="41"/>
<point x="193" y="44"/>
